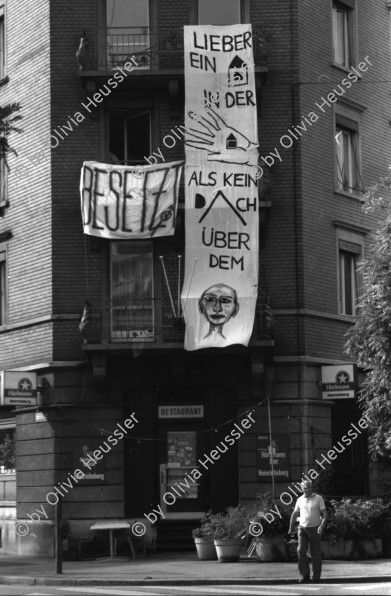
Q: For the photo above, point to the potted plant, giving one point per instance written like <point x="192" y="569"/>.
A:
<point x="272" y="524"/>
<point x="355" y="528"/>
<point x="229" y="526"/>
<point x="203" y="539"/>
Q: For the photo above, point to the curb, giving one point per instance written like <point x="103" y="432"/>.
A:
<point x="60" y="581"/>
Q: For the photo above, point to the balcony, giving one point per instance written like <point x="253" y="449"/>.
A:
<point x="153" y="324"/>
<point x="153" y="49"/>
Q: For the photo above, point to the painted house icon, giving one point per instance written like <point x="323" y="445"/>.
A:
<point x="237" y="72"/>
<point x="231" y="142"/>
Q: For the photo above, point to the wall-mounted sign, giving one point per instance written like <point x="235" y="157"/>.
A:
<point x="18" y="388"/>
<point x="338" y="382"/>
<point x="273" y="459"/>
<point x="90" y="460"/>
<point x="181" y="412"/>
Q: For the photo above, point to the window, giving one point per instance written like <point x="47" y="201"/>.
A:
<point x="127" y="32"/>
<point x="3" y="183"/>
<point x="131" y="267"/>
<point x="129" y="137"/>
<point x="344" y="52"/>
<point x="7" y="446"/>
<point x="347" y="154"/>
<point x="3" y="289"/>
<point x="2" y="43"/>
<point x="219" y="12"/>
<point x="349" y="256"/>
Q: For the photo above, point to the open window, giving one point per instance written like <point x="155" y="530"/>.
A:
<point x="347" y="153"/>
<point x="129" y="136"/>
<point x="344" y="33"/>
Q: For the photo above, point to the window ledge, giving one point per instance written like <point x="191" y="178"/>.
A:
<point x="348" y="318"/>
<point x="347" y="69"/>
<point x="350" y="195"/>
<point x="4" y="80"/>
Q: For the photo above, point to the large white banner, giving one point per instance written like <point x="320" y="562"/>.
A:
<point x="221" y="141"/>
<point x="124" y="202"/>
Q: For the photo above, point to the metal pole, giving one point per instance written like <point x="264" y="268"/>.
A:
<point x="57" y="534"/>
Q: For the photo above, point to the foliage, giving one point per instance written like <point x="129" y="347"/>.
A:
<point x="370" y="340"/>
<point x="7" y="452"/>
<point x="231" y="524"/>
<point x="9" y="116"/>
<point x="207" y="528"/>
<point x="356" y="519"/>
<point x="267" y="508"/>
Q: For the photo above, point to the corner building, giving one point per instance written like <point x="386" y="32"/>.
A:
<point x="321" y="141"/>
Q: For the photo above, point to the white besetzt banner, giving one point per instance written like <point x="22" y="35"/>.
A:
<point x="221" y="197"/>
<point x="129" y="202"/>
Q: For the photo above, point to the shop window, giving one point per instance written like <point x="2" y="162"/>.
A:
<point x="128" y="33"/>
<point x="219" y="12"/>
<point x="132" y="290"/>
<point x="129" y="137"/>
<point x="347" y="155"/>
<point x="344" y="42"/>
<point x="349" y="256"/>
<point x="3" y="288"/>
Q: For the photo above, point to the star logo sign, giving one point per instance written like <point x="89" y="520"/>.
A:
<point x="25" y="385"/>
<point x="342" y="377"/>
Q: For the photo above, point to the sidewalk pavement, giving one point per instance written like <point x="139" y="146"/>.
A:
<point x="180" y="569"/>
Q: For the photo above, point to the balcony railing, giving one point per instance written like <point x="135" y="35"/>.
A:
<point x="150" y="321"/>
<point x="152" y="48"/>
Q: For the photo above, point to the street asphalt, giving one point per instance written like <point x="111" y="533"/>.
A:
<point x="179" y="569"/>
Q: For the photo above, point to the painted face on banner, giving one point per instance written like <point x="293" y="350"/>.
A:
<point x="218" y="304"/>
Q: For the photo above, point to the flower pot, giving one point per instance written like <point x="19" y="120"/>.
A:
<point x="228" y="551"/>
<point x="206" y="550"/>
<point x="271" y="548"/>
<point x="365" y="548"/>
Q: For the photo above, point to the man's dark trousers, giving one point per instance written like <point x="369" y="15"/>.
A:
<point x="310" y="535"/>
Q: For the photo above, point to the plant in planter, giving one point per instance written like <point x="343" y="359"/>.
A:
<point x="228" y="529"/>
<point x="272" y="523"/>
<point x="355" y="528"/>
<point x="203" y="539"/>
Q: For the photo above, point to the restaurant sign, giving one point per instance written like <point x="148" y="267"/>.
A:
<point x="18" y="388"/>
<point x="181" y="411"/>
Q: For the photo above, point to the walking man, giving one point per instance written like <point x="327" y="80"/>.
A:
<point x="313" y="516"/>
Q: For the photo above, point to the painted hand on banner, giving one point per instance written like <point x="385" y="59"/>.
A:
<point x="231" y="146"/>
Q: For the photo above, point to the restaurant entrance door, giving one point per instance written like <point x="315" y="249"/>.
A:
<point x="182" y="482"/>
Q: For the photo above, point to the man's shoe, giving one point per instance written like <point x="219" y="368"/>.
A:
<point x="316" y="581"/>
<point x="305" y="579"/>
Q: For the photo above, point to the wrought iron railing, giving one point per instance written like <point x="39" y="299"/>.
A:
<point x="152" y="48"/>
<point x="151" y="320"/>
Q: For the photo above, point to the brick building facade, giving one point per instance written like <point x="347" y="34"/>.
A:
<point x="313" y="234"/>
